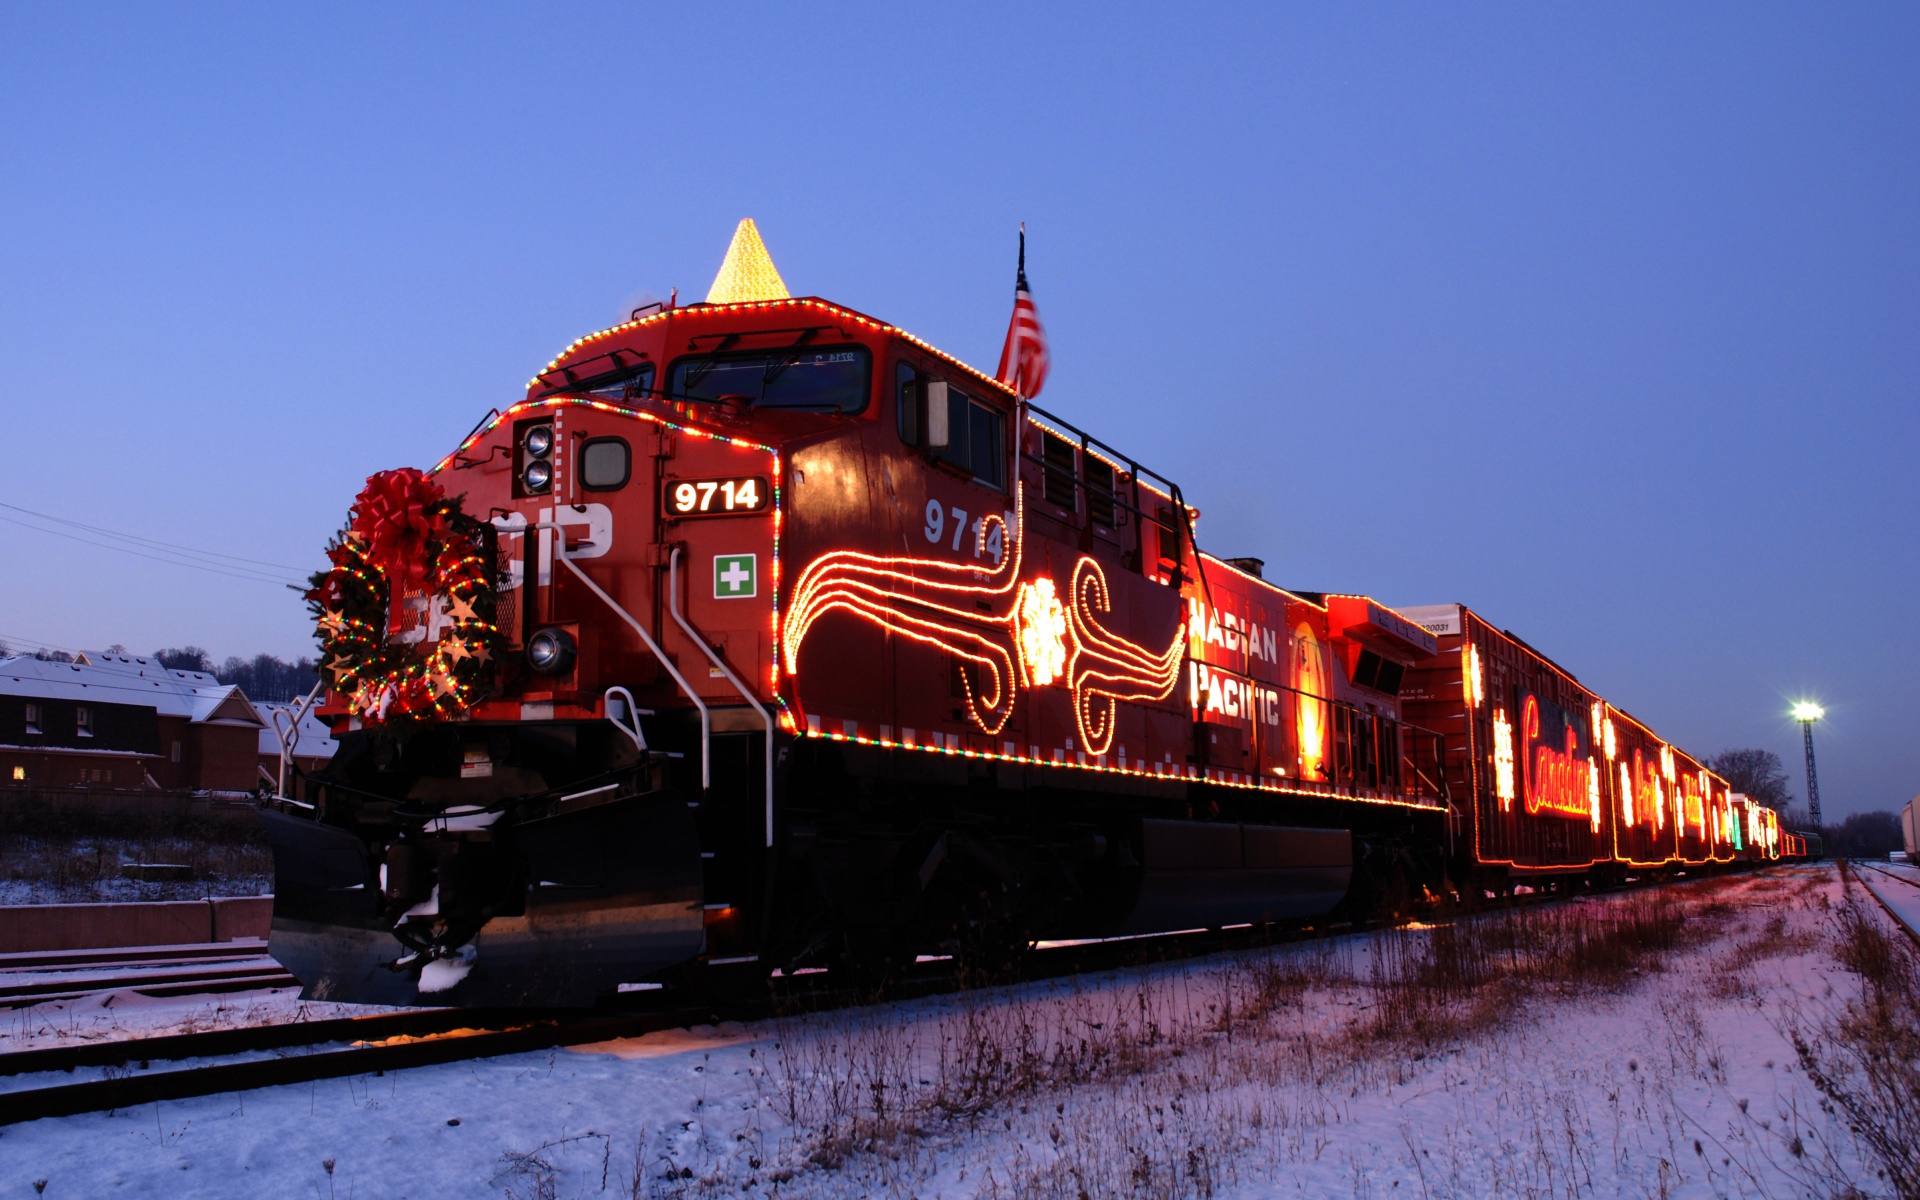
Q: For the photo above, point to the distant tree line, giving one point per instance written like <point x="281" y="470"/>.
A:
<point x="262" y="677"/>
<point x="1761" y="775"/>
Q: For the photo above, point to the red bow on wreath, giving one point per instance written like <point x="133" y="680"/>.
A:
<point x="391" y="515"/>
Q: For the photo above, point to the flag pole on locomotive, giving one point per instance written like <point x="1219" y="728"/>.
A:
<point x="1023" y="358"/>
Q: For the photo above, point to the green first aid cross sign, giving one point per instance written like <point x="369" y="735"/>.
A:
<point x="736" y="576"/>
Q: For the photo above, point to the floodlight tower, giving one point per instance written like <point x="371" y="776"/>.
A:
<point x="1806" y="712"/>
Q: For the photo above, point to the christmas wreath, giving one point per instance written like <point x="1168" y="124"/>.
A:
<point x="405" y="533"/>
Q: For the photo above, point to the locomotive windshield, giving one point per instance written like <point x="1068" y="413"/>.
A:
<point x="807" y="381"/>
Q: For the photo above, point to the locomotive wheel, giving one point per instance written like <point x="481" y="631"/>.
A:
<point x="869" y="961"/>
<point x="724" y="983"/>
<point x="991" y="954"/>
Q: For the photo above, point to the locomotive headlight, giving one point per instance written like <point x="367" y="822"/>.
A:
<point x="538" y="476"/>
<point x="550" y="651"/>
<point x="539" y="441"/>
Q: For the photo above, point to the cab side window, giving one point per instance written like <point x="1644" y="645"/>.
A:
<point x="976" y="439"/>
<point x="906" y="385"/>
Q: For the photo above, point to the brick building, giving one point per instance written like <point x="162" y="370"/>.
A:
<point x="123" y="721"/>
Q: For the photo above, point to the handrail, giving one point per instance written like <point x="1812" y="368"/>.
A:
<point x="706" y="721"/>
<point x="636" y="735"/>
<point x="289" y="737"/>
<point x="766" y="718"/>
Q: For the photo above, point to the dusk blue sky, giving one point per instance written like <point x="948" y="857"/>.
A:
<point x="1602" y="319"/>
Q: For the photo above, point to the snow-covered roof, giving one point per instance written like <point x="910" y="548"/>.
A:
<point x="128" y="679"/>
<point x="316" y="736"/>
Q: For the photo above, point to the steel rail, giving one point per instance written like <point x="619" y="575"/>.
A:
<point x="252" y="1038"/>
<point x="183" y="985"/>
<point x="62" y="1100"/>
<point x="41" y="977"/>
<point x="1906" y="926"/>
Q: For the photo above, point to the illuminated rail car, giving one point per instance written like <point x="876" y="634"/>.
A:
<point x="1552" y="781"/>
<point x="815" y="645"/>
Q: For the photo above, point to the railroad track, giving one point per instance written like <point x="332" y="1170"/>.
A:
<point x="306" y="1051"/>
<point x="37" y="977"/>
<point x="302" y="1052"/>
<point x="1896" y="892"/>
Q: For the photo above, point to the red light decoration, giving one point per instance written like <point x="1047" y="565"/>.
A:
<point x="919" y="598"/>
<point x="1312" y="681"/>
<point x="1105" y="667"/>
<point x="1554" y="779"/>
<point x="922" y="599"/>
<point x="1041" y="624"/>
<point x="1503" y="759"/>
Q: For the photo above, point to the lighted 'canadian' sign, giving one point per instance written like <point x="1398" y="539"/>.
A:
<point x="997" y="624"/>
<point x="1556" y="778"/>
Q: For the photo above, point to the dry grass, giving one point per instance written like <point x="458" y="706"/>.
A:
<point x="1169" y="1082"/>
<point x="51" y="869"/>
<point x="1460" y="979"/>
<point x="71" y="848"/>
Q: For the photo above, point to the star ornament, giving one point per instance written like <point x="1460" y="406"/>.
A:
<point x="457" y="651"/>
<point x="461" y="610"/>
<point x="443" y="685"/>
<point x="342" y="671"/>
<point x="334" y="621"/>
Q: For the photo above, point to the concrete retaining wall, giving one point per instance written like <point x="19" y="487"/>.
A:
<point x="26" y="927"/>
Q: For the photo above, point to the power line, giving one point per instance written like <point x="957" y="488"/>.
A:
<point x="156" y="542"/>
<point x="237" y="572"/>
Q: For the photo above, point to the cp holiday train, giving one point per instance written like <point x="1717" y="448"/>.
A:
<point x="762" y="635"/>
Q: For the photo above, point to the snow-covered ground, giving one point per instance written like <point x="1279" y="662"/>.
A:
<point x="1488" y="1059"/>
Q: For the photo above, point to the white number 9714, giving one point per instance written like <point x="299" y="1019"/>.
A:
<point x="936" y="525"/>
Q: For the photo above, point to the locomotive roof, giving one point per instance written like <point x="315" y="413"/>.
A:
<point x="716" y="313"/>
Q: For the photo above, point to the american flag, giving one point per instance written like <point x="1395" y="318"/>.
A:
<point x="1023" y="360"/>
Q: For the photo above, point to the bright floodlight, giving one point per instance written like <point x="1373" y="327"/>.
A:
<point x="1806" y="710"/>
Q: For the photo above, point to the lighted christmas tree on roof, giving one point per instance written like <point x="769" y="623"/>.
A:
<point x="748" y="273"/>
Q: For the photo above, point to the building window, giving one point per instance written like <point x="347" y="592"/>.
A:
<point x="82" y="720"/>
<point x="33" y="718"/>
<point x="19" y="774"/>
<point x="176" y="752"/>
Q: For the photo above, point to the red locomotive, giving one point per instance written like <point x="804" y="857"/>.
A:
<point x="761" y="634"/>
